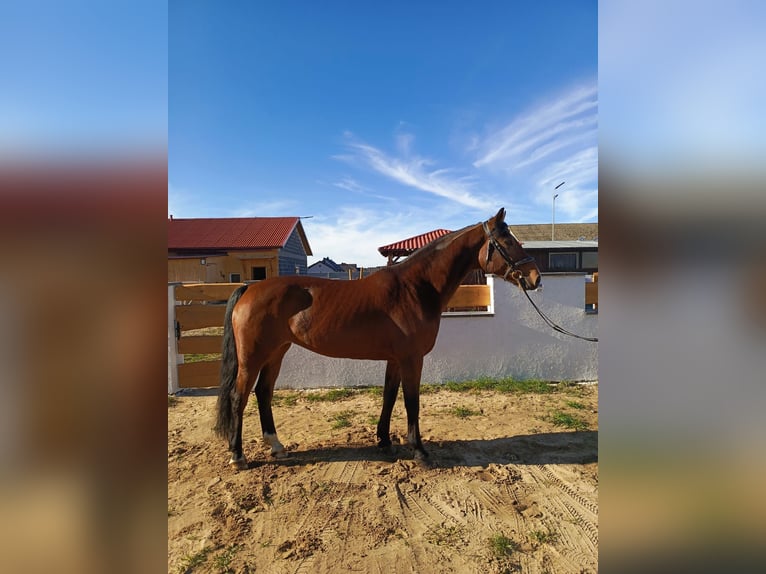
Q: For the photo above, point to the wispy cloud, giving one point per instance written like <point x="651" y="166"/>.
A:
<point x="578" y="198"/>
<point x="350" y="184"/>
<point x="273" y="208"/>
<point x="184" y="202"/>
<point x="352" y="234"/>
<point x="532" y="136"/>
<point x="554" y="141"/>
<point x="417" y="172"/>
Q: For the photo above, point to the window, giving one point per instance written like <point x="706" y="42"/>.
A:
<point x="257" y="273"/>
<point x="562" y="261"/>
<point x="235" y="278"/>
<point x="590" y="260"/>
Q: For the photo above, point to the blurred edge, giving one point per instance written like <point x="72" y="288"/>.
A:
<point x="682" y="298"/>
<point x="81" y="458"/>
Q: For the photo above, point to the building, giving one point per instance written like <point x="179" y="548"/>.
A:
<point x="575" y="248"/>
<point x="405" y="247"/>
<point x="232" y="250"/>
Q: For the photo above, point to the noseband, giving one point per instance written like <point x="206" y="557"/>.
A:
<point x="513" y="266"/>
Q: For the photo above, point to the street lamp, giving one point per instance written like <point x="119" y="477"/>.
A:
<point x="553" y="218"/>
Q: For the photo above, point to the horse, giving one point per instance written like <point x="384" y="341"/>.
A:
<point x="392" y="315"/>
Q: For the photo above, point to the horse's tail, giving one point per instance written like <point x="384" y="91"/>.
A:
<point x="228" y="400"/>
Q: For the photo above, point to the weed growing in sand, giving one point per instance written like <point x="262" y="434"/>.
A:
<point x="223" y="560"/>
<point x="566" y="420"/>
<point x="463" y="412"/>
<point x="575" y="405"/>
<point x="543" y="536"/>
<point x="445" y="535"/>
<point x="172" y="401"/>
<point x="342" y="419"/>
<point x="373" y="420"/>
<point x="191" y="561"/>
<point x="501" y="546"/>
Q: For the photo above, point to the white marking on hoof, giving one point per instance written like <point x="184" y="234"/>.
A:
<point x="238" y="463"/>
<point x="277" y="449"/>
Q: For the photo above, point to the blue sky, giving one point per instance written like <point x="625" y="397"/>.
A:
<point x="382" y="120"/>
<point x="83" y="77"/>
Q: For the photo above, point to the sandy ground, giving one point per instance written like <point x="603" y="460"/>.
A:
<point x="505" y="489"/>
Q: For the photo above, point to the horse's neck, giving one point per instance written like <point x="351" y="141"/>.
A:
<point x="446" y="266"/>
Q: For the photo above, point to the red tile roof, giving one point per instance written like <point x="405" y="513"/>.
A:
<point x="407" y="246"/>
<point x="233" y="233"/>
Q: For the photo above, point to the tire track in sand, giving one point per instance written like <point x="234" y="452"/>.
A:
<point x="574" y="515"/>
<point x="339" y="475"/>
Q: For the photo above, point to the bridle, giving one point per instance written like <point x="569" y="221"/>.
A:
<point x="514" y="271"/>
<point x="513" y="266"/>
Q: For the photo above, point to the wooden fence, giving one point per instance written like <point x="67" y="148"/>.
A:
<point x="591" y="294"/>
<point x="195" y="320"/>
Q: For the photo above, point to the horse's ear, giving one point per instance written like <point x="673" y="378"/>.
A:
<point x="500" y="217"/>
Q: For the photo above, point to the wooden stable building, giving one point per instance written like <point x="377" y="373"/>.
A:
<point x="233" y="250"/>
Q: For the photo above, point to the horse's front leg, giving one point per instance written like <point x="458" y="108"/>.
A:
<point x="264" y="391"/>
<point x="390" y="390"/>
<point x="411" y="371"/>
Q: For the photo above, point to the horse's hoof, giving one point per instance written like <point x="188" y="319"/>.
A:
<point x="238" y="463"/>
<point x="385" y="448"/>
<point x="421" y="455"/>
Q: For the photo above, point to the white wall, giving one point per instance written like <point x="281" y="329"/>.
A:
<point x="513" y="342"/>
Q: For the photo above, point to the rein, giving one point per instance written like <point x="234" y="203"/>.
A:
<point x="516" y="273"/>
<point x="551" y="324"/>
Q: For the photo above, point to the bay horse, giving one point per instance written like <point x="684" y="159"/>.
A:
<point x="392" y="315"/>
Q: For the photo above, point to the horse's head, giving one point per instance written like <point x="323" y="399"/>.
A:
<point x="502" y="255"/>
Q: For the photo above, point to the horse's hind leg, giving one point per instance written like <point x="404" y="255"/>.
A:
<point x="390" y="389"/>
<point x="264" y="391"/>
<point x="245" y="379"/>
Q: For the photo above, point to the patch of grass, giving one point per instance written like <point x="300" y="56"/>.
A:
<point x="463" y="412"/>
<point x="374" y="391"/>
<point x="331" y="395"/>
<point x="285" y="399"/>
<point x="201" y="357"/>
<point x="223" y="560"/>
<point x="373" y="420"/>
<point x="543" y="536"/>
<point x="203" y="331"/>
<point x="342" y="419"/>
<point x="191" y="561"/>
<point x="501" y="546"/>
<point x="172" y="401"/>
<point x="575" y="405"/>
<point x="566" y="420"/>
<point x="505" y="385"/>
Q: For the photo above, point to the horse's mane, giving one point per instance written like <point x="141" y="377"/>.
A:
<point x="430" y="248"/>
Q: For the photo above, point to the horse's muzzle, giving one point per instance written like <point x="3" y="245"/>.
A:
<point x="531" y="286"/>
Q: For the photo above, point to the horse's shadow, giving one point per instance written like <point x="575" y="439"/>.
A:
<point x="544" y="448"/>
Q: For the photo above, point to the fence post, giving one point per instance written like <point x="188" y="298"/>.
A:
<point x="172" y="342"/>
<point x="491" y="285"/>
